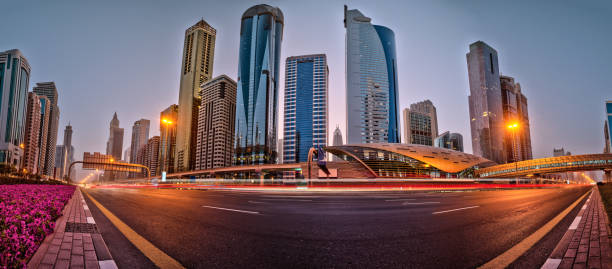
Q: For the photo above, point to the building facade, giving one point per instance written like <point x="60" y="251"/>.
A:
<point x="197" y="68"/>
<point x="485" y="103"/>
<point x="306" y="106"/>
<point x="261" y="33"/>
<point x="140" y="137"/>
<point x="64" y="154"/>
<point x="32" y="134"/>
<point x="215" y="133"/>
<point x="449" y="140"/>
<point x="148" y="156"/>
<point x="420" y="123"/>
<point x="518" y="137"/>
<point x="167" y="143"/>
<point x="279" y="151"/>
<point x="371" y="81"/>
<point x="14" y="81"/>
<point x="49" y="90"/>
<point x="114" y="146"/>
<point x="42" y="134"/>
<point x="337" y="141"/>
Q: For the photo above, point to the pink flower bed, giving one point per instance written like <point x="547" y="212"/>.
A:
<point x="27" y="216"/>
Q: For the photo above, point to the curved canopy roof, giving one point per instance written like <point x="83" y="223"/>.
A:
<point x="446" y="160"/>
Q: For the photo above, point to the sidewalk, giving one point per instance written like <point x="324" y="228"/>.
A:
<point x="75" y="243"/>
<point x="586" y="244"/>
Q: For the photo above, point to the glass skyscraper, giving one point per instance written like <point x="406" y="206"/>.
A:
<point x="261" y="32"/>
<point x="449" y="140"/>
<point x="14" y="81"/>
<point x="371" y="81"/>
<point x="306" y="126"/>
<point x="485" y="101"/>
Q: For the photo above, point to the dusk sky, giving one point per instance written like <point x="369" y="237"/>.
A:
<point x="125" y="56"/>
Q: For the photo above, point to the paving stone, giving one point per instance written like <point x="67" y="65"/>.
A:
<point x="77" y="261"/>
<point x="63" y="255"/>
<point x="594" y="252"/>
<point x="49" y="258"/>
<point x="581" y="258"/>
<point x="62" y="264"/>
<point x="570" y="253"/>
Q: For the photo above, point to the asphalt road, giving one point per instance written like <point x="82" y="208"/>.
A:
<point x="326" y="229"/>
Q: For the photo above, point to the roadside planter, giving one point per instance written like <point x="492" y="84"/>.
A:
<point x="27" y="216"/>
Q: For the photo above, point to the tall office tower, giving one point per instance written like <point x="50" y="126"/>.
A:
<point x="167" y="131"/>
<point x="140" y="137"/>
<point x="371" y="81"/>
<point x="215" y="133"/>
<point x="149" y="155"/>
<point x="449" y="140"/>
<point x="114" y="146"/>
<point x="420" y="123"/>
<point x="14" y="79"/>
<point x="64" y="153"/>
<point x="306" y="102"/>
<point x="42" y="133"/>
<point x="517" y="136"/>
<point x="337" y="141"/>
<point x="261" y="33"/>
<point x="608" y="128"/>
<point x="197" y="68"/>
<point x="49" y="90"/>
<point x="32" y="134"/>
<point x="485" y="101"/>
<point x="279" y="150"/>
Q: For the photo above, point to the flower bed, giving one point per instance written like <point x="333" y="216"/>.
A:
<point x="27" y="216"/>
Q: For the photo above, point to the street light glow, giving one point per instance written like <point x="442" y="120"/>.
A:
<point x="513" y="125"/>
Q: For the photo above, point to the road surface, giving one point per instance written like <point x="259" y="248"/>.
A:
<point x="214" y="228"/>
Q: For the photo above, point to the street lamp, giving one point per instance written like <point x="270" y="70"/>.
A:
<point x="513" y="127"/>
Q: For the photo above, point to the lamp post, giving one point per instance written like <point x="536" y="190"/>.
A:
<point x="163" y="158"/>
<point x="513" y="127"/>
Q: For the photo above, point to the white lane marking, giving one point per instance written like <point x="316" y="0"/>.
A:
<point x="551" y="264"/>
<point x="293" y="200"/>
<point x="256" y="202"/>
<point x="290" y="196"/>
<point x="229" y="209"/>
<point x="575" y="223"/>
<point x="85" y="207"/>
<point x="456" y="209"/>
<point x="421" y="203"/>
<point x="399" y="200"/>
<point x="91" y="220"/>
<point x="107" y="264"/>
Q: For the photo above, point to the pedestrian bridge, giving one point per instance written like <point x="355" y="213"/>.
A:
<point x="572" y="163"/>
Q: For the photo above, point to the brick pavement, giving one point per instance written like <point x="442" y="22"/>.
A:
<point x="75" y="243"/>
<point x="586" y="244"/>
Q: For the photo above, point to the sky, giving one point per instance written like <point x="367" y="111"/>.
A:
<point x="124" y="56"/>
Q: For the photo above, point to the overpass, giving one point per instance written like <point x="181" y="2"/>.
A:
<point x="572" y="163"/>
<point x="263" y="168"/>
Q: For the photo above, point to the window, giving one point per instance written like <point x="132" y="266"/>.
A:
<point x="491" y="59"/>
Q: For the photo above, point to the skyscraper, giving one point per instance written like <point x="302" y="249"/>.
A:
<point x="126" y="154"/>
<point x="140" y="137"/>
<point x="371" y="81"/>
<point x="514" y="104"/>
<point x="449" y="140"/>
<point x="420" y="123"/>
<point x="167" y="144"/>
<point x="197" y="68"/>
<point x="148" y="156"/>
<point x="32" y="134"/>
<point x="49" y="90"/>
<point x="485" y="102"/>
<point x="114" y="146"/>
<point x="279" y="150"/>
<point x="306" y="82"/>
<point x="64" y="153"/>
<point x="215" y="136"/>
<point x="261" y="32"/>
<point x="14" y="80"/>
<point x="43" y="132"/>
<point x="337" y="141"/>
